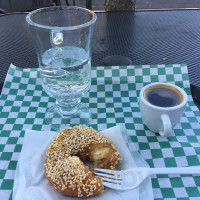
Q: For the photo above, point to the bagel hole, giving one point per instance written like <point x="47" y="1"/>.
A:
<point x="99" y="152"/>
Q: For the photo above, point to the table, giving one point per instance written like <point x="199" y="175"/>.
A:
<point x="114" y="100"/>
<point x="148" y="37"/>
<point x="138" y="39"/>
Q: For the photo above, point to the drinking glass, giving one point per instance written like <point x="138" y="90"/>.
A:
<point x="62" y="37"/>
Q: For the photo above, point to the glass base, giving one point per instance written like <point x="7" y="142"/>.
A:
<point x="58" y="121"/>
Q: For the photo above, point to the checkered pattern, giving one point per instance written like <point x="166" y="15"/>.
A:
<point x="113" y="99"/>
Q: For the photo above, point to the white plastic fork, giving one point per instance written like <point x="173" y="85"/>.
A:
<point x="132" y="178"/>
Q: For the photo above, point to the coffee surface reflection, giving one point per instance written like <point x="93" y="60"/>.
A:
<point x="162" y="97"/>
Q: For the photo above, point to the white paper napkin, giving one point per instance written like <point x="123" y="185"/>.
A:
<point x="30" y="181"/>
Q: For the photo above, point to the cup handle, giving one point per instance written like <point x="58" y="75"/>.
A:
<point x="166" y="126"/>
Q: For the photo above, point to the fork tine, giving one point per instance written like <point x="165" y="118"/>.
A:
<point x="104" y="170"/>
<point x="114" y="181"/>
<point x="109" y="171"/>
<point x="108" y="176"/>
<point x="113" y="186"/>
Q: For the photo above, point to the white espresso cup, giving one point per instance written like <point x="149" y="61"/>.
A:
<point x="161" y="106"/>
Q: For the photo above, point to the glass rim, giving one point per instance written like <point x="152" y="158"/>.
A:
<point x="31" y="22"/>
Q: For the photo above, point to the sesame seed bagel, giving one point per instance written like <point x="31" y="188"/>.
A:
<point x="64" y="161"/>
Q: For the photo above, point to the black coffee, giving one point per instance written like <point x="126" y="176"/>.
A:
<point x="162" y="97"/>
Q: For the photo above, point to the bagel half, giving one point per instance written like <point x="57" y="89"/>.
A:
<point x="64" y="161"/>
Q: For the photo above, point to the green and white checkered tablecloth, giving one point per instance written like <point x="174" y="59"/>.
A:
<point x="113" y="99"/>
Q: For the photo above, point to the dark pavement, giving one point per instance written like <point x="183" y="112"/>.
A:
<point x="98" y="5"/>
<point x="145" y="4"/>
